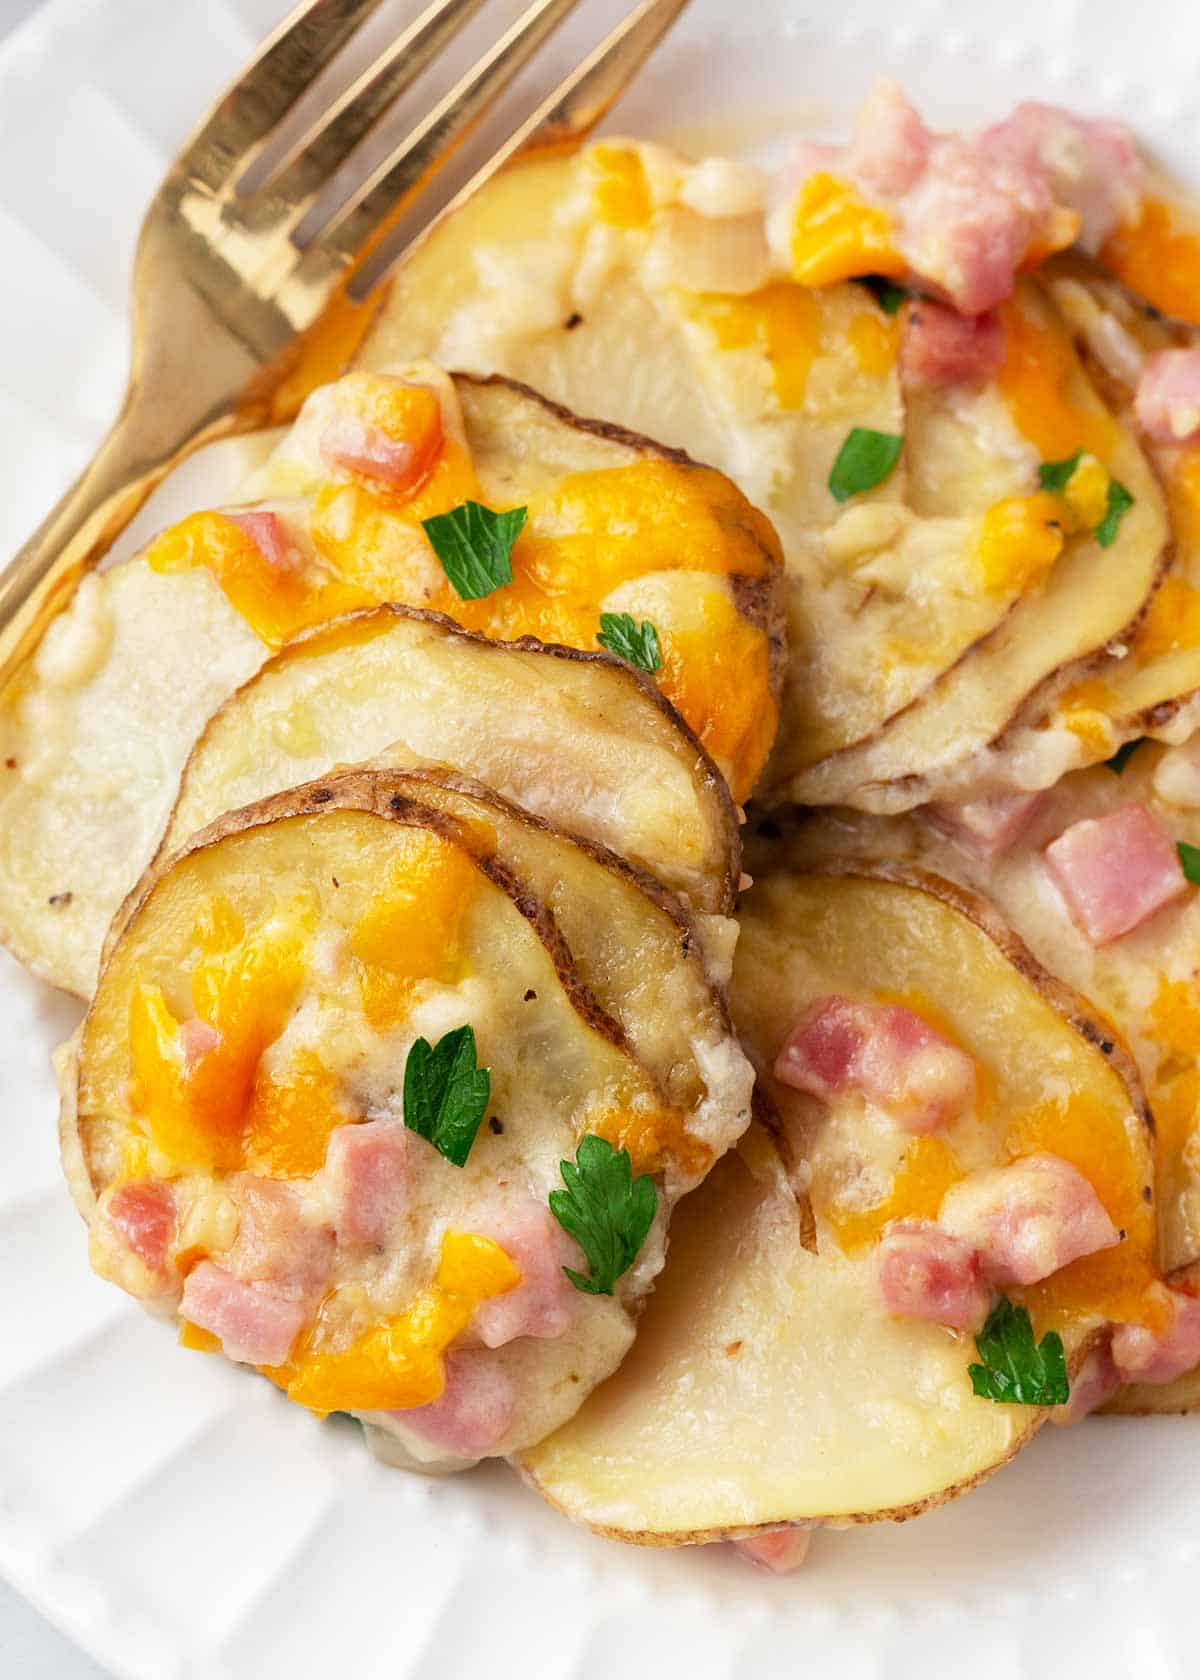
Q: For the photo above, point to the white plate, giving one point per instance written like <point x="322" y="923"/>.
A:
<point x="181" y="1519"/>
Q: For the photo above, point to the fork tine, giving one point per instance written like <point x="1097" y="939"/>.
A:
<point x="330" y="139"/>
<point x="565" y="117"/>
<point x="437" y="136"/>
<point x="237" y="127"/>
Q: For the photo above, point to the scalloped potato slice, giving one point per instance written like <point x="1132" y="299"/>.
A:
<point x="916" y="636"/>
<point x="1145" y="981"/>
<point x="768" y="1385"/>
<point x="96" y="730"/>
<point x="261" y="1005"/>
<point x="581" y="739"/>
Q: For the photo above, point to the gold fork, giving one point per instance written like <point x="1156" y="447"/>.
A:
<point x="234" y="320"/>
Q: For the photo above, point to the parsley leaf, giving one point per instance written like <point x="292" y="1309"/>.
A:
<point x="1119" y="501"/>
<point x="864" y="460"/>
<point x="638" y="643"/>
<point x="1056" y="475"/>
<point x="474" y="545"/>
<point x="1189" y="857"/>
<point x="886" y="293"/>
<point x="445" y="1093"/>
<point x="1016" y="1371"/>
<point x="605" y="1209"/>
<point x="1123" y="754"/>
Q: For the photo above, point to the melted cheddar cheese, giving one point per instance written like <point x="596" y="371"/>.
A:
<point x="1035" y="380"/>
<point x="1161" y="262"/>
<point x="927" y="1170"/>
<point x="1118" y="1283"/>
<point x="399" y="1364"/>
<point x="836" y="236"/>
<point x="783" y="320"/>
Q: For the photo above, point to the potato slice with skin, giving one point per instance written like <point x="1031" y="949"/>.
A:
<point x="906" y="667"/>
<point x="770" y="1386"/>
<point x="1145" y="980"/>
<point x="631" y="1040"/>
<point x="96" y="731"/>
<point x="580" y="738"/>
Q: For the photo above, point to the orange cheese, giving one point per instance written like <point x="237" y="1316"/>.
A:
<point x="398" y="1364"/>
<point x="1117" y="1283"/>
<point x="1171" y="622"/>
<point x="783" y="320"/>
<point x="1158" y="260"/>
<point x="875" y="340"/>
<point x="620" y="190"/>
<point x="927" y="1169"/>
<point x="1020" y="538"/>
<point x="836" y="236"/>
<point x="413" y="930"/>
<point x="1035" y="380"/>
<point x="276" y="601"/>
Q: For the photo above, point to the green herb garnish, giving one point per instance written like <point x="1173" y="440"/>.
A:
<point x="1123" y="754"/>
<point x="638" y="643"/>
<point x="474" y="545"/>
<point x="1056" y="475"/>
<point x="1119" y="501"/>
<point x="886" y="293"/>
<point x="864" y="460"/>
<point x="1189" y="857"/>
<point x="605" y="1209"/>
<point x="1016" y="1371"/>
<point x="445" y="1093"/>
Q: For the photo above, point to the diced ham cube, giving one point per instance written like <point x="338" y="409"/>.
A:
<point x="142" y="1213"/>
<point x="924" y="1272"/>
<point x="986" y="827"/>
<point x="350" y="444"/>
<point x="891" y="144"/>
<point x="368" y="1168"/>
<point x="1168" y="396"/>
<point x="1096" y="1381"/>
<point x="1089" y="165"/>
<point x="939" y="347"/>
<point x="197" y="1040"/>
<point x="1028" y="1220"/>
<point x="1116" y="871"/>
<point x="1146" y="1356"/>
<point x="545" y="1301"/>
<point x="884" y="1051"/>
<point x="474" y="1411"/>
<point x="275" y="1243"/>
<point x="256" y="1323"/>
<point x="270" y="536"/>
<point x="780" y="1551"/>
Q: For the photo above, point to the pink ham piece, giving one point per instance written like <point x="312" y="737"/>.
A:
<point x="270" y="536"/>
<point x="1028" y="1220"/>
<point x="367" y="1166"/>
<point x="883" y="1051"/>
<point x="779" y="1552"/>
<point x="197" y="1040"/>
<point x="1168" y="396"/>
<point x="1090" y="166"/>
<point x="1096" y="1381"/>
<point x="351" y="445"/>
<point x="926" y="1273"/>
<point x="1116" y="871"/>
<point x="545" y="1301"/>
<point x="986" y="827"/>
<point x="967" y="213"/>
<point x="142" y="1213"/>
<point x="939" y="347"/>
<point x="1146" y="1356"/>
<point x="474" y="1411"/>
<point x="256" y="1323"/>
<point x="275" y="1243"/>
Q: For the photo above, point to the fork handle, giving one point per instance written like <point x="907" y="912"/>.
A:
<point x="42" y="576"/>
